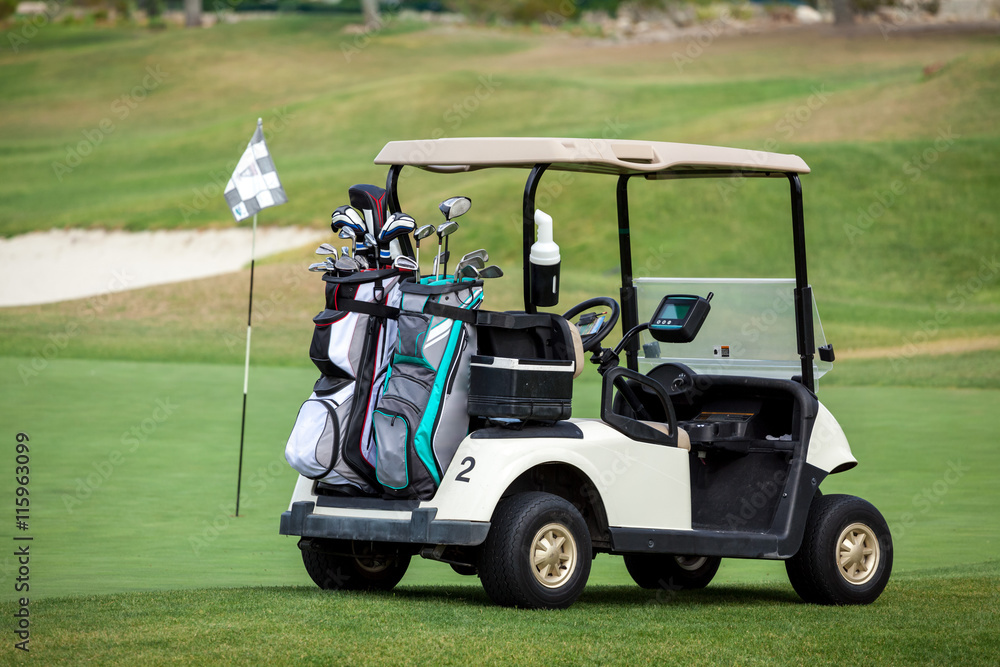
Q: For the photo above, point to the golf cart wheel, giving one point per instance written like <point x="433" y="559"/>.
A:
<point x="846" y="553"/>
<point x="367" y="569"/>
<point x="671" y="572"/>
<point x="537" y="554"/>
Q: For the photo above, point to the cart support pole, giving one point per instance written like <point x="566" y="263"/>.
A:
<point x="803" y="292"/>
<point x="528" y="220"/>
<point x="630" y="311"/>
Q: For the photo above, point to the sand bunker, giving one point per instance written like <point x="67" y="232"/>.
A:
<point x="61" y="264"/>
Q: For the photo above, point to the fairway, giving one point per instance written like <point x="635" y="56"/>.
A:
<point x="131" y="399"/>
<point x="141" y="478"/>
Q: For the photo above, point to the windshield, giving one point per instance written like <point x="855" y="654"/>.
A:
<point x="749" y="331"/>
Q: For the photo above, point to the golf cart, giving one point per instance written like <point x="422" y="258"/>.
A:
<point x="711" y="442"/>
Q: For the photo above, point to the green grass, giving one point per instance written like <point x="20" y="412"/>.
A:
<point x="134" y="465"/>
<point x="877" y="279"/>
<point x="136" y="556"/>
<point x="948" y="617"/>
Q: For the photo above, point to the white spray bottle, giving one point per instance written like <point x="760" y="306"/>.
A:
<point x="545" y="261"/>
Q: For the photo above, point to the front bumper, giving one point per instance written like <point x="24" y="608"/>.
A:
<point x="420" y="528"/>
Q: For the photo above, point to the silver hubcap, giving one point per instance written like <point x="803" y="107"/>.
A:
<point x="691" y="563"/>
<point x="553" y="555"/>
<point x="858" y="554"/>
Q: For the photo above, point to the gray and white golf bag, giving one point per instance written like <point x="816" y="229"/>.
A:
<point x="351" y="346"/>
<point x="422" y="415"/>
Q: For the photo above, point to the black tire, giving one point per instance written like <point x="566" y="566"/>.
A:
<point x="367" y="570"/>
<point x="818" y="572"/>
<point x="670" y="572"/>
<point x="521" y="525"/>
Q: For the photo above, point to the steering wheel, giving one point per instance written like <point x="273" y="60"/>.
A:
<point x="592" y="341"/>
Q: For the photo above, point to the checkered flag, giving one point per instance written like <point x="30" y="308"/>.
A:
<point x="254" y="185"/>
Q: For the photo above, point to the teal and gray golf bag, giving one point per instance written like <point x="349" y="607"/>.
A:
<point x="352" y="343"/>
<point x="422" y="414"/>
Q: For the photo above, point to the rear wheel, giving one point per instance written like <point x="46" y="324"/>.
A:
<point x="670" y="572"/>
<point x="354" y="566"/>
<point x="846" y="553"/>
<point x="537" y="554"/>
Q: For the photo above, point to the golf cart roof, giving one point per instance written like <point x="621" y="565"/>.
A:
<point x="653" y="159"/>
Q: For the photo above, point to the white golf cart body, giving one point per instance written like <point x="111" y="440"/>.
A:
<point x="636" y="496"/>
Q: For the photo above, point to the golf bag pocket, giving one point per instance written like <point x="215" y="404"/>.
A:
<point x="330" y="359"/>
<point x="422" y="413"/>
<point x="395" y="423"/>
<point x="315" y="438"/>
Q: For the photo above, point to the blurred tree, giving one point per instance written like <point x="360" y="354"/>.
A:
<point x="7" y="8"/>
<point x="843" y="12"/>
<point x="192" y="13"/>
<point x="370" y="10"/>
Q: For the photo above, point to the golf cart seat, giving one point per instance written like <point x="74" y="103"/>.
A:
<point x="683" y="439"/>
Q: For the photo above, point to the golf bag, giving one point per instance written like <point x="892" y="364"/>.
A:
<point x="351" y="346"/>
<point x="422" y="414"/>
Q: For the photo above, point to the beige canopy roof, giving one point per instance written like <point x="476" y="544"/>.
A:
<point x="611" y="156"/>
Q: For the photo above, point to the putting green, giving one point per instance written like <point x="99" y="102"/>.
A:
<point x="133" y="476"/>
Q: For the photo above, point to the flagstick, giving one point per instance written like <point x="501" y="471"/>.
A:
<point x="246" y="366"/>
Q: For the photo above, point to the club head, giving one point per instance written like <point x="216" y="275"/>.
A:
<point x="468" y="271"/>
<point x="345" y="251"/>
<point x="491" y="271"/>
<point x="446" y="228"/>
<point x="481" y="254"/>
<point x="348" y="233"/>
<point x="326" y="249"/>
<point x="370" y="240"/>
<point x="362" y="262"/>
<point x="346" y="265"/>
<point x="404" y="263"/>
<point x="346" y="216"/>
<point x="471" y="261"/>
<point x="319" y="266"/>
<point x="454" y="207"/>
<point x="423" y="232"/>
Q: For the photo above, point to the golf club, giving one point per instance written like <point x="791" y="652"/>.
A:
<point x="371" y="243"/>
<point x="347" y="216"/>
<point x="474" y="261"/>
<point x="444" y="230"/>
<point x="346" y="265"/>
<point x="467" y="271"/>
<point x="421" y="233"/>
<point x="397" y="225"/>
<point x="326" y="249"/>
<point x="370" y="200"/>
<point x="319" y="266"/>
<point x="404" y="263"/>
<point x="454" y="207"/>
<point x="491" y="271"/>
<point x="345" y="251"/>
<point x="481" y="254"/>
<point x="362" y="262"/>
<point x="349" y="233"/>
<point x="441" y="257"/>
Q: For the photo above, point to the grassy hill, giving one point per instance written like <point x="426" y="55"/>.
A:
<point x="899" y="206"/>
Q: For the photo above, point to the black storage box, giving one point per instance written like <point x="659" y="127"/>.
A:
<point x="521" y="388"/>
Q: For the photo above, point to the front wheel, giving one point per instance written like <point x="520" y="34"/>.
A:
<point x="846" y="553"/>
<point x="354" y="566"/>
<point x="537" y="554"/>
<point x="670" y="572"/>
